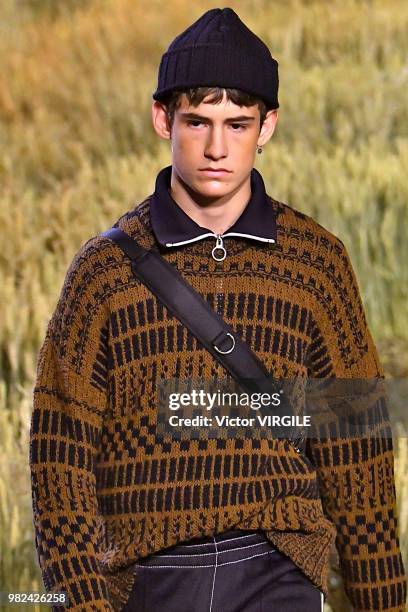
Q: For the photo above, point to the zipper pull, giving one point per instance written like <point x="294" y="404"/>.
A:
<point x="219" y="246"/>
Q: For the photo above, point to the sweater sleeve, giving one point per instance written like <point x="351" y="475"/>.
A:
<point x="356" y="475"/>
<point x="69" y="400"/>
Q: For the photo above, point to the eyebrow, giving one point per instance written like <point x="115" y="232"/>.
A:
<point x="229" y="120"/>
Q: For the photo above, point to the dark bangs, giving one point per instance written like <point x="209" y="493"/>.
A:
<point x="197" y="94"/>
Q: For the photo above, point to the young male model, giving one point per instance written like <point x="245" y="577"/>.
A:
<point x="127" y="521"/>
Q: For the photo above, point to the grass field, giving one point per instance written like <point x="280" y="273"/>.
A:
<point x="77" y="151"/>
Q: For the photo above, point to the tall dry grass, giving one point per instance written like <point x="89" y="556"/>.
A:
<point x="77" y="150"/>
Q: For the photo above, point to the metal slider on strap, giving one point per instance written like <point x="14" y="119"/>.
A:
<point x="224" y="335"/>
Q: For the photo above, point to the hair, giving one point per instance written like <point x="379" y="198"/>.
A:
<point x="196" y="95"/>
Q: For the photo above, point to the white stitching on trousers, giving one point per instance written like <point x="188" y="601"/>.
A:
<point x="268" y="552"/>
<point x="220" y="541"/>
<point x="215" y="571"/>
<point x="220" y="552"/>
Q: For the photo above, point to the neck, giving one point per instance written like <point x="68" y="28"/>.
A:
<point x="216" y="214"/>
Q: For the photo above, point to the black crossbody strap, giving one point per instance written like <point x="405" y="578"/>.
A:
<point x="168" y="285"/>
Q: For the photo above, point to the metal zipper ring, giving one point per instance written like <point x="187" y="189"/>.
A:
<point x="219" y="248"/>
<point x="219" y="245"/>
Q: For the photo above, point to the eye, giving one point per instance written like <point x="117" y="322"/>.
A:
<point x="237" y="126"/>
<point x="194" y="122"/>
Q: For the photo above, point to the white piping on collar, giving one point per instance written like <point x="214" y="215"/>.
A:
<point x="170" y="244"/>
<point x="249" y="236"/>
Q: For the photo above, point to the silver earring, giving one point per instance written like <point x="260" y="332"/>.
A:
<point x="259" y="150"/>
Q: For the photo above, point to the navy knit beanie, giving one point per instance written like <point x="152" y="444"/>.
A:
<point x="218" y="50"/>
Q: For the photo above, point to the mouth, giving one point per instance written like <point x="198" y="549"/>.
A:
<point x="215" y="171"/>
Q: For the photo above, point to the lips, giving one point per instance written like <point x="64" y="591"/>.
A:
<point x="215" y="170"/>
<point x="215" y="173"/>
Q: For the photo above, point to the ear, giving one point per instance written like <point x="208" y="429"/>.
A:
<point x="160" y="120"/>
<point x="268" y="127"/>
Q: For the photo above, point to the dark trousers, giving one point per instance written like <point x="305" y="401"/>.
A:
<point x="237" y="571"/>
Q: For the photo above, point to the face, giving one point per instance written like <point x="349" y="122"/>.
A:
<point x="213" y="145"/>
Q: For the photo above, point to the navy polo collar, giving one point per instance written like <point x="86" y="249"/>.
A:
<point x="172" y="226"/>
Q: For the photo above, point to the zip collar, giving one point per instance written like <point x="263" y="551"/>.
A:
<point x="173" y="227"/>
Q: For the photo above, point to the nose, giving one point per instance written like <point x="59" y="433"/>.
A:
<point x="216" y="145"/>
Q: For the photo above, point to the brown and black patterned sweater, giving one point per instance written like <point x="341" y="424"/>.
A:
<point x="107" y="491"/>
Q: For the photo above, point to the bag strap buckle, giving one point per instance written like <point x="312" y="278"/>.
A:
<point x="230" y="349"/>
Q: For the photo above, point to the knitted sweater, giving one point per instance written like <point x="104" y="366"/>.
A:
<point x="108" y="492"/>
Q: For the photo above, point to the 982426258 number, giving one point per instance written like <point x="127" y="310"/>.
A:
<point x="33" y="597"/>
